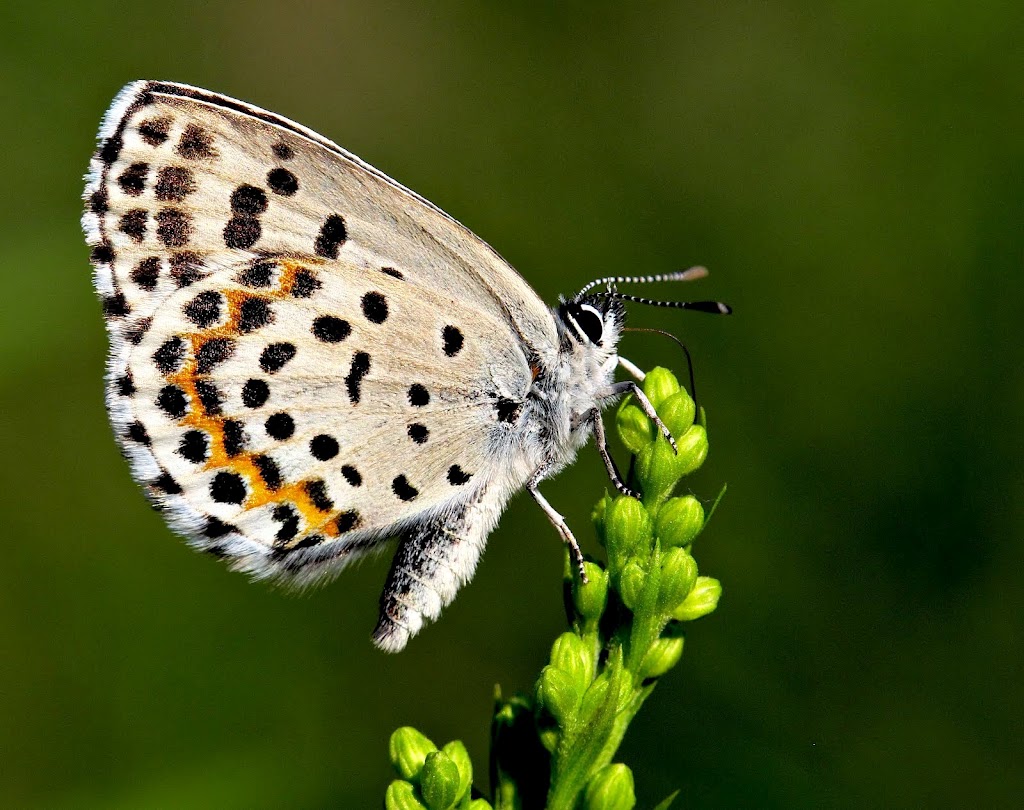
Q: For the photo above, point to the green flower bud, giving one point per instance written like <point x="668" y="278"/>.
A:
<point x="693" y="449"/>
<point x="401" y="795"/>
<point x="558" y="692"/>
<point x="634" y="427"/>
<point x="611" y="788"/>
<point x="408" y="749"/>
<point x="656" y="469"/>
<point x="590" y="599"/>
<point x="677" y="412"/>
<point x="631" y="584"/>
<point x="702" y="600"/>
<point x="661" y="657"/>
<point x="627" y="526"/>
<point x="678" y="573"/>
<point x="573" y="655"/>
<point x="594" y="697"/>
<point x="439" y="781"/>
<point x="458" y="754"/>
<point x="479" y="804"/>
<point x="598" y="516"/>
<point x="659" y="385"/>
<point x="679" y="521"/>
<point x="549" y="738"/>
<point x="666" y="803"/>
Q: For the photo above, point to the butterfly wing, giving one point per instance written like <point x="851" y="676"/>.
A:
<point x="306" y="358"/>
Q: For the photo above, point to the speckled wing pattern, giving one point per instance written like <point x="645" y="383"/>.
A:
<point x="305" y="357"/>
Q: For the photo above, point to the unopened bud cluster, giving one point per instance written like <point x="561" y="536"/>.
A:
<point x="627" y="619"/>
<point x="628" y="624"/>
<point x="432" y="778"/>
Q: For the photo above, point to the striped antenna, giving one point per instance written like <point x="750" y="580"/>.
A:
<point x="711" y="307"/>
<point x="692" y="274"/>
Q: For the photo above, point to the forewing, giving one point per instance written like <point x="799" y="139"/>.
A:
<point x="305" y="357"/>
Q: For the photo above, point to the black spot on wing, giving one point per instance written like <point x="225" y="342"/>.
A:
<point x="169" y="356"/>
<point x="346" y="521"/>
<point x="255" y="393"/>
<point x="205" y="309"/>
<point x="353" y="381"/>
<point x="279" y="426"/>
<point x="137" y="433"/>
<point x="316" y="490"/>
<point x="268" y="470"/>
<point x="174" y="227"/>
<point x="228" y="487"/>
<point x="116" y="305"/>
<point x="99" y="203"/>
<point x="286" y="515"/>
<point x="212" y="353"/>
<point x="172" y="401"/>
<point x="253" y="313"/>
<point x="134" y="223"/>
<point x="235" y="437"/>
<point x="308" y="541"/>
<point x="133" y="179"/>
<point x="103" y="253"/>
<point x="329" y="329"/>
<point x="283" y="182"/>
<point x="174" y="183"/>
<point x="217" y="528"/>
<point x="457" y="476"/>
<point x="352" y="475"/>
<point x="210" y="397"/>
<point x="375" y="307"/>
<point x="187" y="267"/>
<point x="331" y="237"/>
<point x="452" y="340"/>
<point x="418" y="395"/>
<point x="258" y="274"/>
<point x="154" y="130"/>
<point x="305" y="284"/>
<point x="323" y="447"/>
<point x="196" y="143"/>
<point x="137" y="330"/>
<point x="126" y="384"/>
<point x="418" y="432"/>
<point x="275" y="356"/>
<point x="249" y="200"/>
<point x="111" y="149"/>
<point x="166" y="483"/>
<point x="146" y="273"/>
<point x="242" y="232"/>
<point x="194" y="446"/>
<point x="403" y="489"/>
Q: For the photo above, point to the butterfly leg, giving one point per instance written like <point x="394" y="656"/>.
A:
<point x="630" y="387"/>
<point x="632" y="368"/>
<point x="556" y="520"/>
<point x="601" y="438"/>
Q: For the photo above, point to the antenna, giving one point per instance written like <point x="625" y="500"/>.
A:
<point x="692" y="274"/>
<point x="711" y="307"/>
<point x="689" y="360"/>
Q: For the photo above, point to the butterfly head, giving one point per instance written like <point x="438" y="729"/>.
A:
<point x="593" y="321"/>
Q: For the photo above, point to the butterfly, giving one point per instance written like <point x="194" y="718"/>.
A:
<point x="308" y="359"/>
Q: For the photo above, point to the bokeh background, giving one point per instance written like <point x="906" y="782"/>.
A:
<point x="852" y="173"/>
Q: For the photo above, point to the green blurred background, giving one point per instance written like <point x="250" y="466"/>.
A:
<point x="852" y="173"/>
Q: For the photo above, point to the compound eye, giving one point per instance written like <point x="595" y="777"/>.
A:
<point x="590" y="322"/>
